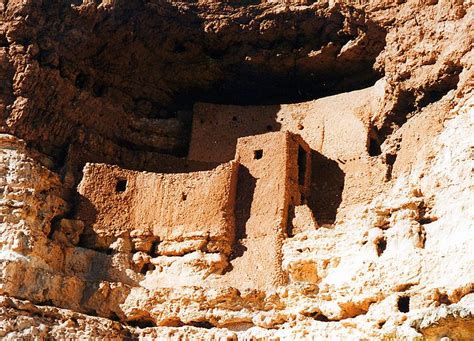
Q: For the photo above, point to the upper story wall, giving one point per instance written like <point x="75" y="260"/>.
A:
<point x="274" y="175"/>
<point x="279" y="164"/>
<point x="172" y="207"/>
<point x="335" y="126"/>
<point x="263" y="182"/>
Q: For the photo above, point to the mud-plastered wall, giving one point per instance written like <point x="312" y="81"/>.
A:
<point x="338" y="130"/>
<point x="198" y="206"/>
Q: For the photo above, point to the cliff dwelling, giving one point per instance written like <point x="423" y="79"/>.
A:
<point x="236" y="170"/>
<point x="240" y="210"/>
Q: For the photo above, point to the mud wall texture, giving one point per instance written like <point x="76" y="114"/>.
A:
<point x="337" y="128"/>
<point x="170" y="207"/>
<point x="382" y="93"/>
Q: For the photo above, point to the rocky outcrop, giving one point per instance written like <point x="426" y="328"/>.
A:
<point x="383" y="246"/>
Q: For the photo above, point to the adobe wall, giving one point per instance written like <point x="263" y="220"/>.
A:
<point x="195" y="206"/>
<point x="276" y="175"/>
<point x="242" y="209"/>
<point x="268" y="186"/>
<point x="336" y="128"/>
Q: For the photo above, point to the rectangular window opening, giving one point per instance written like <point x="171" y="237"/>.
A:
<point x="258" y="154"/>
<point x="121" y="185"/>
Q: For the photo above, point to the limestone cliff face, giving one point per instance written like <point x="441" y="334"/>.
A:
<point x="382" y="93"/>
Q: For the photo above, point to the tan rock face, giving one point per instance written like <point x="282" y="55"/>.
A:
<point x="317" y="181"/>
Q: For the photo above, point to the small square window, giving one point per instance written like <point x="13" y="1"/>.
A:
<point x="258" y="154"/>
<point x="121" y="186"/>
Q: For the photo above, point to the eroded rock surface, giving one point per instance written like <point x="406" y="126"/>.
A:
<point x="182" y="104"/>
